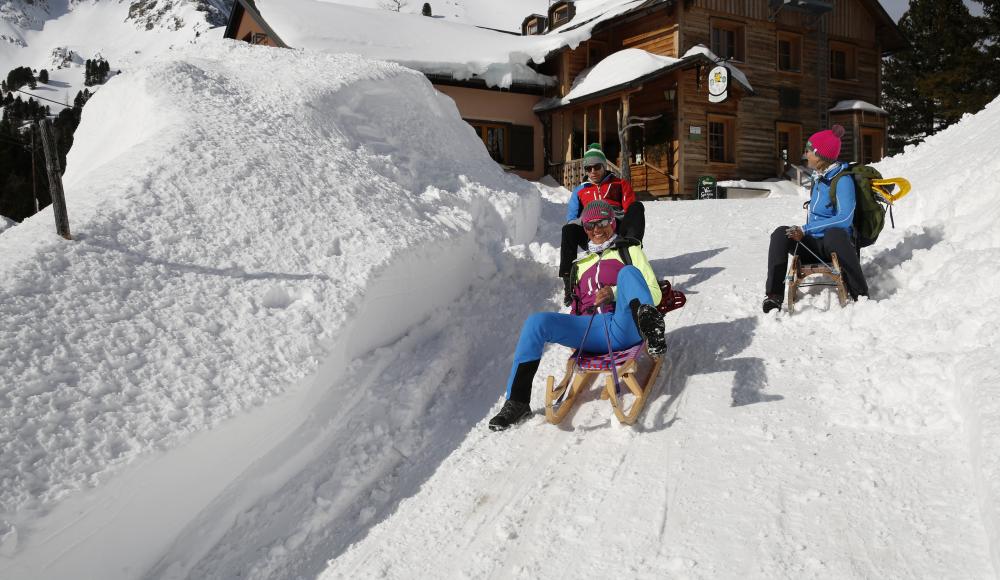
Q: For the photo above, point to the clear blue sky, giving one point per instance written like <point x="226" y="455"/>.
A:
<point x="895" y="8"/>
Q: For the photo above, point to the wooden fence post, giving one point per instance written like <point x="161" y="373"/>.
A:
<point x="55" y="178"/>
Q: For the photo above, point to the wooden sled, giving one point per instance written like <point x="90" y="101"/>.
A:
<point x="637" y="372"/>
<point x="798" y="273"/>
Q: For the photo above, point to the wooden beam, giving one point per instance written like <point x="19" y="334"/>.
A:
<point x="55" y="178"/>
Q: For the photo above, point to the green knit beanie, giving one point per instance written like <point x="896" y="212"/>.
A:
<point x="594" y="155"/>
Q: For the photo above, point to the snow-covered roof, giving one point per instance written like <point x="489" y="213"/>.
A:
<point x="431" y="45"/>
<point x="434" y="46"/>
<point x="629" y="66"/>
<point x="617" y="69"/>
<point x="858" y="105"/>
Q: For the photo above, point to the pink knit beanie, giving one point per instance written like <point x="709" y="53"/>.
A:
<point x="826" y="144"/>
<point x="597" y="210"/>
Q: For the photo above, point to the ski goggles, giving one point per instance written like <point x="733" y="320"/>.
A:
<point x="597" y="224"/>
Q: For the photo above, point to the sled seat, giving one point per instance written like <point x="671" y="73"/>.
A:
<point x="636" y="373"/>
<point x="800" y="275"/>
<point x="602" y="361"/>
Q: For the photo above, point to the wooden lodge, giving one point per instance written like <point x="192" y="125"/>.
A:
<point x="794" y="67"/>
<point x="808" y="63"/>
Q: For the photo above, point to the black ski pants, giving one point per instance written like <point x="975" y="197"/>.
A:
<point x="574" y="238"/>
<point x="833" y="240"/>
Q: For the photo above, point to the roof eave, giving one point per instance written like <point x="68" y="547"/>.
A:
<point x="683" y="64"/>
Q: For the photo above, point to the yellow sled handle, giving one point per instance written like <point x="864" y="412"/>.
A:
<point x="899" y="182"/>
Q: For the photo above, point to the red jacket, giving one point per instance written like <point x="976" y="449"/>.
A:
<point x="611" y="189"/>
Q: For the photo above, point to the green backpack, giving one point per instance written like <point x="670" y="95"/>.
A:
<point x="870" y="207"/>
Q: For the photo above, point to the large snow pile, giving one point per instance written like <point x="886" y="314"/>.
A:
<point x="232" y="235"/>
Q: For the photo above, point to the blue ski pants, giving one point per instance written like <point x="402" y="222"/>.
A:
<point x="569" y="329"/>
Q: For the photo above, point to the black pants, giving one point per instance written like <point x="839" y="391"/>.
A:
<point x="632" y="225"/>
<point x="833" y="240"/>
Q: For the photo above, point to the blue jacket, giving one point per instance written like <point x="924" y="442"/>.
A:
<point x="822" y="214"/>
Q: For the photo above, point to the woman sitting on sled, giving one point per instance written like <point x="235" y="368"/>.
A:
<point x="608" y="295"/>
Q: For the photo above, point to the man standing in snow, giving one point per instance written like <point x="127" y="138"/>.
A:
<point x="600" y="184"/>
<point x="829" y="226"/>
<point x="624" y="298"/>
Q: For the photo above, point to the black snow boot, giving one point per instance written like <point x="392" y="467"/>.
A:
<point x="773" y="301"/>
<point x="513" y="412"/>
<point x="649" y="320"/>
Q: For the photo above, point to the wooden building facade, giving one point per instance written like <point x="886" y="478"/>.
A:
<point x="801" y="57"/>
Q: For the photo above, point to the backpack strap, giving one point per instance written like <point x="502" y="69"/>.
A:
<point x="848" y="170"/>
<point x="622" y="245"/>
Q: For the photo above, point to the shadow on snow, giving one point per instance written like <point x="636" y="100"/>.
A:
<point x="705" y="349"/>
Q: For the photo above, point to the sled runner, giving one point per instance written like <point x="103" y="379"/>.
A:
<point x="636" y="372"/>
<point x="831" y="273"/>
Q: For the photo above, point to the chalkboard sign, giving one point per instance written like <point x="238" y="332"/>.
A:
<point x="707" y="188"/>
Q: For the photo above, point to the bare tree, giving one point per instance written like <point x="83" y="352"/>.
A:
<point x="394" y="5"/>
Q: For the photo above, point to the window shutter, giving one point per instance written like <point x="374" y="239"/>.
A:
<point x="522" y="147"/>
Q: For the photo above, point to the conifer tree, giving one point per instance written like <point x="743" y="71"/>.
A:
<point x="940" y="77"/>
<point x="426" y="10"/>
<point x="43" y="76"/>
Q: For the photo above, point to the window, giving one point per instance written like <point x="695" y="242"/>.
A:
<point x="727" y="40"/>
<point x="872" y="144"/>
<point x="721" y="139"/>
<point x="560" y="16"/>
<point x="255" y="38"/>
<point x="596" y="51"/>
<point x="789" y="52"/>
<point x="534" y="27"/>
<point x="842" y="62"/>
<point x="789" y="143"/>
<point x="511" y="145"/>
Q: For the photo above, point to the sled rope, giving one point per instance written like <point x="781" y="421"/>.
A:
<point x="801" y="245"/>
<point x="611" y="355"/>
<point x="579" y="351"/>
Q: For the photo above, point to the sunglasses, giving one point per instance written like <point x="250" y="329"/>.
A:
<point x="597" y="224"/>
<point x="589" y="168"/>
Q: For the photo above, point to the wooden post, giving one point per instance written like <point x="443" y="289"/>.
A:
<point x="623" y="121"/>
<point x="55" y="178"/>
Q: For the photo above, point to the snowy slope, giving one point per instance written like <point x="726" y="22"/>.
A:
<point x="289" y="312"/>
<point x="855" y="443"/>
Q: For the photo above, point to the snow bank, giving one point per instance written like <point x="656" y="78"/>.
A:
<point x="237" y="241"/>
<point x="951" y="291"/>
